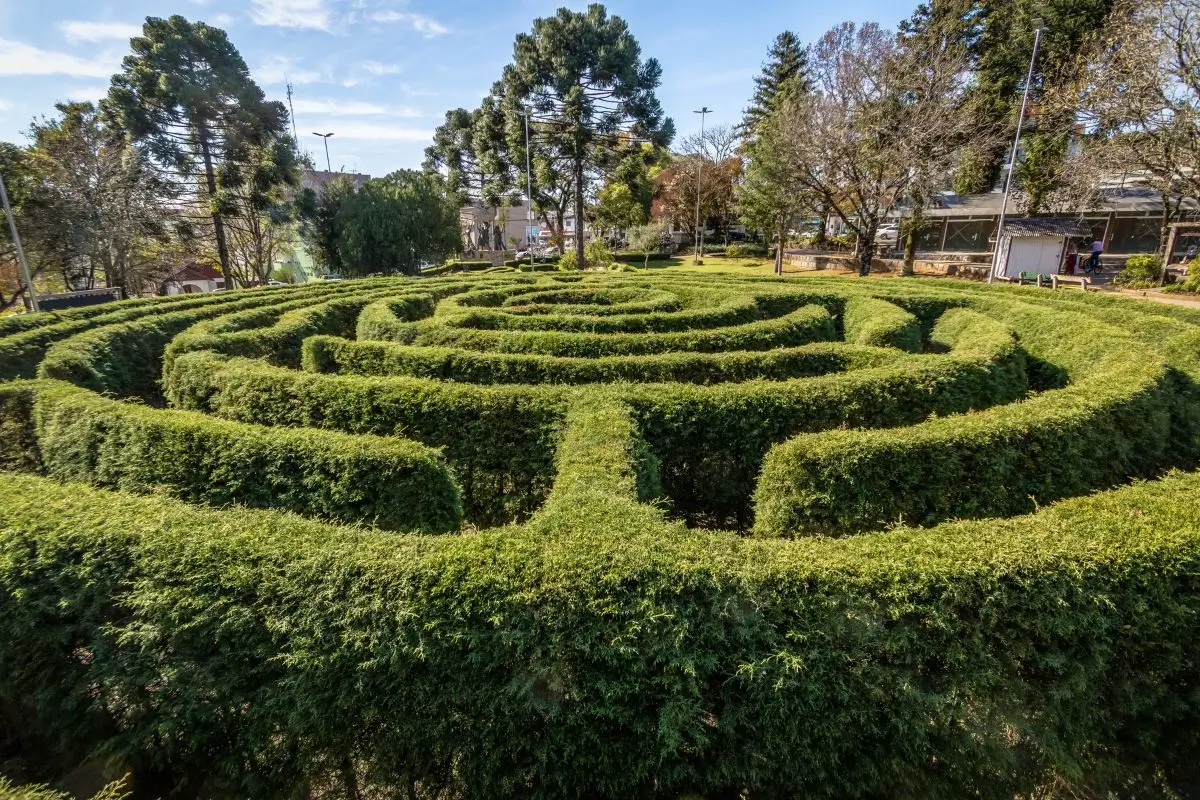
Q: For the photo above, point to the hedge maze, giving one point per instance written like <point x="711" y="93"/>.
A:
<point x="626" y="535"/>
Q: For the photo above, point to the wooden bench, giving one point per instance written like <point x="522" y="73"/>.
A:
<point x="1078" y="280"/>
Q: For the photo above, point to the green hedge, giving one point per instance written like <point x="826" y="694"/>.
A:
<point x="805" y="325"/>
<point x="258" y="654"/>
<point x="878" y="323"/>
<point x="379" y="318"/>
<point x="602" y="463"/>
<point x="392" y="483"/>
<point x="329" y="354"/>
<point x="23" y="351"/>
<point x="711" y="440"/>
<point x="18" y="437"/>
<point x="124" y="356"/>
<point x="1112" y="426"/>
<point x="500" y="440"/>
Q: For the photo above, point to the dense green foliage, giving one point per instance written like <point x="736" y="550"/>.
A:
<point x="389" y="482"/>
<point x="597" y="623"/>
<point x="394" y="223"/>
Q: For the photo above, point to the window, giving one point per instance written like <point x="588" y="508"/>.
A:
<point x="1134" y="235"/>
<point x="970" y="235"/>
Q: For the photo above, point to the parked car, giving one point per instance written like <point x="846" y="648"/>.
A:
<point x="889" y="232"/>
<point x="333" y="276"/>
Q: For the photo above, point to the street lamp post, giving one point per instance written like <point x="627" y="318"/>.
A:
<point x="704" y="110"/>
<point x="1038" y="27"/>
<point x="325" y="136"/>
<point x="16" y="237"/>
<point x="529" y="192"/>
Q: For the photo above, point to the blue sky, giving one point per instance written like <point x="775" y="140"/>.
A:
<point x="380" y="74"/>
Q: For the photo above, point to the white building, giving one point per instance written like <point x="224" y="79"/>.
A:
<point x="191" y="279"/>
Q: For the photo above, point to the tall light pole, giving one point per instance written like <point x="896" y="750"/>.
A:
<point x="529" y="192"/>
<point x="325" y="136"/>
<point x="16" y="237"/>
<point x="699" y="249"/>
<point x="1038" y="27"/>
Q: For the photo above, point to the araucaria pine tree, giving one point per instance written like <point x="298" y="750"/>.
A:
<point x="786" y="69"/>
<point x="186" y="94"/>
<point x="589" y="94"/>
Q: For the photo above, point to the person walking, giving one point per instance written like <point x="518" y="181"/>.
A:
<point x="1097" y="251"/>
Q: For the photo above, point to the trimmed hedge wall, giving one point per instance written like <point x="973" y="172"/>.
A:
<point x="878" y="323"/>
<point x="805" y="325"/>
<point x="500" y="440"/>
<point x="619" y="659"/>
<point x="124" y="356"/>
<point x="1114" y="422"/>
<point x="391" y="483"/>
<point x="711" y="440"/>
<point x="331" y="354"/>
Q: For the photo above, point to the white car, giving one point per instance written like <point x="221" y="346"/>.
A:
<point x="887" y="233"/>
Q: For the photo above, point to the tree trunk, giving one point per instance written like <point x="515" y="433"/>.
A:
<point x="822" y="223"/>
<point x="866" y="249"/>
<point x="910" y="242"/>
<point x="779" y="241"/>
<point x="210" y="178"/>
<point x="580" y="261"/>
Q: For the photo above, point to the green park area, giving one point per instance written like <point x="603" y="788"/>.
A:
<point x="606" y="522"/>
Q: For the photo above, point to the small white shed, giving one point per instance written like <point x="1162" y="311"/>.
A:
<point x="1037" y="244"/>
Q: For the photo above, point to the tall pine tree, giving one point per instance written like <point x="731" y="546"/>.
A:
<point x="786" y="69"/>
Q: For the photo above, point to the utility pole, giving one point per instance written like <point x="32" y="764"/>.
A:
<point x="292" y="114"/>
<point x="325" y="136"/>
<point x="699" y="249"/>
<point x="16" y="237"/>
<point x="1038" y="27"/>
<point x="529" y="192"/>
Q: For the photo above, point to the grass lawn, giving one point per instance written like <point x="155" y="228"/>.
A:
<point x="744" y="266"/>
<point x="737" y="266"/>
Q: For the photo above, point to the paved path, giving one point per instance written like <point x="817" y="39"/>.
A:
<point x="1160" y="297"/>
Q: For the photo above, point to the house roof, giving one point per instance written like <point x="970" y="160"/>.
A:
<point x="1121" y="199"/>
<point x="195" y="272"/>
<point x="1046" y="226"/>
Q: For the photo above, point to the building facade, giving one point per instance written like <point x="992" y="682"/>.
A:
<point x="1127" y="219"/>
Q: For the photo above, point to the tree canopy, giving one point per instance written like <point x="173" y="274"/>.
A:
<point x="785" y="71"/>
<point x="590" y="96"/>
<point x="394" y="223"/>
<point x="186" y="94"/>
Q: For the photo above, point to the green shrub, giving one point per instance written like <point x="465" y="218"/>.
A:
<point x="1111" y="427"/>
<point x="392" y="483"/>
<point x="499" y="440"/>
<point x="10" y="791"/>
<point x="18" y="437"/>
<point x="877" y="323"/>
<point x="688" y="664"/>
<point x="1140" y="272"/>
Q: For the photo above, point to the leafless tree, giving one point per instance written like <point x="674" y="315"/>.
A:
<point x="718" y="143"/>
<point x="882" y="123"/>
<point x="1138" y="98"/>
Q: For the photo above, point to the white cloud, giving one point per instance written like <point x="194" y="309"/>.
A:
<point x="379" y="68"/>
<point x="351" y="108"/>
<point x="280" y="69"/>
<point x="77" y="30"/>
<point x="426" y="26"/>
<point x="292" y="13"/>
<point x="5" y="105"/>
<point x="222" y="20"/>
<point x="91" y="93"/>
<point x="18" y="58"/>
<point x="380" y="132"/>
